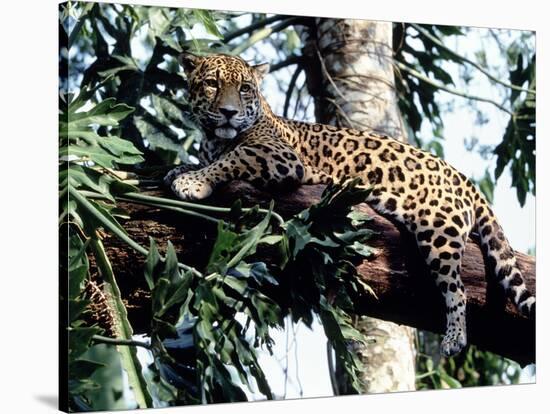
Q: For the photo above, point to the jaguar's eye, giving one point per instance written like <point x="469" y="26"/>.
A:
<point x="211" y="83"/>
<point x="245" y="88"/>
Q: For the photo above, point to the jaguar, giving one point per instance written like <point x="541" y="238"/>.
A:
<point x="441" y="207"/>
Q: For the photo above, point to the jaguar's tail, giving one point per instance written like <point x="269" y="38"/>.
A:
<point x="501" y="260"/>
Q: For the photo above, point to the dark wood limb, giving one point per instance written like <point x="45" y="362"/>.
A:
<point x="405" y="294"/>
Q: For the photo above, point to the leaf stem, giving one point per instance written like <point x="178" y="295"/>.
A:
<point x="103" y="220"/>
<point x="177" y="209"/>
<point x="185" y="204"/>
<point x="118" y="341"/>
<point x="116" y="231"/>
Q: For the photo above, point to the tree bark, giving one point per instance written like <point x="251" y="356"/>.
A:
<point x="404" y="291"/>
<point x="349" y="72"/>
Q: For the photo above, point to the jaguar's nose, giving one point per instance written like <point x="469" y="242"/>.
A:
<point x="228" y="112"/>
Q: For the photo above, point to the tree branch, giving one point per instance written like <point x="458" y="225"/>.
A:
<point x="405" y="292"/>
<point x="291" y="60"/>
<point x="254" y="26"/>
<point x="291" y="86"/>
<point x="265" y="32"/>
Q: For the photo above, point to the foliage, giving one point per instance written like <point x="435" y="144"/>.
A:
<point x="422" y="56"/>
<point x="83" y="149"/>
<point x="425" y="59"/>
<point x="213" y="304"/>
<point x="116" y="36"/>
<point x="221" y="316"/>
<point x="76" y="265"/>
<point x="518" y="145"/>
<point x="470" y="368"/>
<point x="325" y="243"/>
<point x="109" y="394"/>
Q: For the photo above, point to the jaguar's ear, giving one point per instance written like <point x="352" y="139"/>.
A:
<point x="189" y="61"/>
<point x="261" y="70"/>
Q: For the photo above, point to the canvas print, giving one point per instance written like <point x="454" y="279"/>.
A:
<point x="265" y="206"/>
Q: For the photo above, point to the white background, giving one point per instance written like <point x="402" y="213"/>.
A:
<point x="28" y="254"/>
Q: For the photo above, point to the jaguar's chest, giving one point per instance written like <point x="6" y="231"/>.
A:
<point x="212" y="149"/>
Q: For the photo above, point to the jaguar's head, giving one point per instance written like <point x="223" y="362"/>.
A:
<point x="224" y="92"/>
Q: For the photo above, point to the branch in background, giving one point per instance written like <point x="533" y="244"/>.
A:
<point x="442" y="87"/>
<point x="328" y="76"/>
<point x="341" y="112"/>
<point x="254" y="26"/>
<point x="291" y="60"/>
<point x="291" y="86"/>
<point x="436" y="41"/>
<point x="298" y="100"/>
<point x="265" y="32"/>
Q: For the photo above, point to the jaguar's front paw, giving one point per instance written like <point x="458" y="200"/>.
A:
<point x="188" y="187"/>
<point x="174" y="173"/>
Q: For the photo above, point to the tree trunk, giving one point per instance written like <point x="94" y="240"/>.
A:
<point x="350" y="75"/>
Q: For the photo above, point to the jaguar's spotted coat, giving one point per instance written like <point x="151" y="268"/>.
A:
<point x="439" y="205"/>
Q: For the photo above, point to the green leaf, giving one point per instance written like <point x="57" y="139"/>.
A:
<point x="158" y="20"/>
<point x="78" y="266"/>
<point x="79" y="176"/>
<point x="171" y="264"/>
<point x="128" y="63"/>
<point x="76" y="308"/>
<point x="358" y="217"/>
<point x="362" y="249"/>
<point x="161" y="140"/>
<point x="162" y="286"/>
<point x="449" y="30"/>
<point x="109" y="395"/>
<point x="81" y="386"/>
<point x="181" y="293"/>
<point x="80" y="339"/>
<point x="80" y="141"/>
<point x="450" y="381"/>
<point x="230" y="248"/>
<point x="82" y="368"/>
<point x="99" y="155"/>
<point x="153" y="259"/>
<point x="298" y="232"/>
<point x="205" y="17"/>
<point x="271" y="239"/>
<point x="258" y="271"/>
<point x="105" y="113"/>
